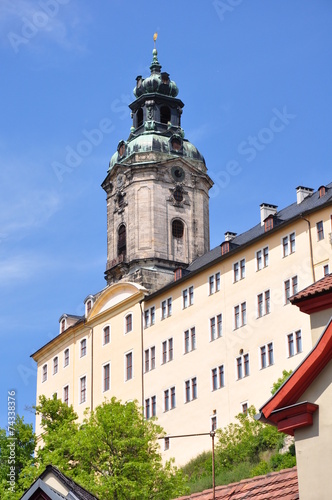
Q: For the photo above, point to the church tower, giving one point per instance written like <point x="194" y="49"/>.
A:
<point x="157" y="190"/>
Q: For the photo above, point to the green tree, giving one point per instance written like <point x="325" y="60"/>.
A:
<point x="281" y="380"/>
<point x="114" y="453"/>
<point x="245" y="439"/>
<point x="16" y="452"/>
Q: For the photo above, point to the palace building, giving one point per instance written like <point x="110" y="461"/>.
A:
<point x="195" y="335"/>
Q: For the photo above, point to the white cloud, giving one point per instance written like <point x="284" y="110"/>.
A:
<point x="30" y="24"/>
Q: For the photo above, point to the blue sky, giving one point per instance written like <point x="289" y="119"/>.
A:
<point x="255" y="77"/>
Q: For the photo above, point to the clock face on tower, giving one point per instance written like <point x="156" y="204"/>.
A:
<point x="178" y="174"/>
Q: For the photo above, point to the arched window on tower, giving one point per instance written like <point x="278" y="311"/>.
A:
<point x="139" y="117"/>
<point x="122" y="245"/>
<point x="177" y="228"/>
<point x="165" y="114"/>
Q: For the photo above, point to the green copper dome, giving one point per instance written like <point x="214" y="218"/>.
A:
<point x="157" y="82"/>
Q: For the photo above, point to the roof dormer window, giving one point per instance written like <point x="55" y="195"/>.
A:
<point x="63" y="325"/>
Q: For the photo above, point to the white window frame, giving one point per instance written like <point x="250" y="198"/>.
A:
<point x="150" y="400"/>
<point x="108" y="363"/>
<point x="80" y="389"/>
<point x="263" y="258"/>
<point x="296" y="351"/>
<point x="125" y="323"/>
<point x="150" y="351"/>
<point x="169" y="349"/>
<point x="243" y="374"/>
<point x="168" y="308"/>
<point x="149" y="313"/>
<point x="217" y="334"/>
<point x="318" y="231"/>
<point x="266" y="299"/>
<point x="214" y="283"/>
<point x="192" y="340"/>
<point x="57" y="366"/>
<point x="292" y="289"/>
<point x="238" y="265"/>
<point x="44" y="373"/>
<point x="188" y="297"/>
<point x="103" y="333"/>
<point x="190" y="381"/>
<point x="64" y="357"/>
<point x="288" y="240"/>
<point x="242" y="315"/>
<point x="213" y="417"/>
<point x="171" y="406"/>
<point x="267" y="355"/>
<point x="63" y="393"/>
<point x="86" y="347"/>
<point x="220" y="380"/>
<point x="126" y="366"/>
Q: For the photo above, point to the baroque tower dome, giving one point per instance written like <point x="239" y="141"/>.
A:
<point x="157" y="190"/>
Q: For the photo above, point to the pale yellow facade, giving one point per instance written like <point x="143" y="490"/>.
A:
<point x="270" y="336"/>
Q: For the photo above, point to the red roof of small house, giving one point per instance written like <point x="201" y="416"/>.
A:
<point x="315" y="297"/>
<point x="275" y="485"/>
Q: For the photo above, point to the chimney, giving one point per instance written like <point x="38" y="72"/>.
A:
<point x="229" y="236"/>
<point x="302" y="193"/>
<point x="267" y="210"/>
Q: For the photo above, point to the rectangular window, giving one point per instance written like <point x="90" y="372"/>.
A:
<point x="106" y="335"/>
<point x="106" y="377"/>
<point x="288" y="244"/>
<point x="166" y="444"/>
<point x="245" y="408"/>
<point x="188" y="297"/>
<point x="294" y="343"/>
<point x="216" y="327"/>
<point x="326" y="270"/>
<point x="292" y="242"/>
<point x="189" y="340"/>
<point x="129" y="366"/>
<point x="44" y="373"/>
<point x="66" y="358"/>
<point x="260" y="305"/>
<point x="240" y="315"/>
<point x="150" y="407"/>
<point x="128" y="323"/>
<point x="154" y="406"/>
<point x="213" y="423"/>
<point x="147" y="318"/>
<point x="218" y="377"/>
<point x="267" y="358"/>
<point x="320" y="230"/>
<point x="82" y="389"/>
<point x="290" y="288"/>
<point x="214" y="283"/>
<point x="190" y="387"/>
<point x="150" y="359"/>
<point x="239" y="270"/>
<point x="83" y="348"/>
<point x="66" y="395"/>
<point x="263" y="303"/>
<point x="166" y="308"/>
<point x="55" y="365"/>
<point x="285" y="247"/>
<point x="242" y="366"/>
<point x="167" y="350"/>
<point x="262" y="258"/>
<point x="147" y="408"/>
<point x="169" y="399"/>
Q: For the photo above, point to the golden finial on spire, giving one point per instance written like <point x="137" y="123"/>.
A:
<point x="155" y="36"/>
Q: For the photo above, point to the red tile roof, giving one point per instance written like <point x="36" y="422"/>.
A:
<point x="322" y="286"/>
<point x="272" y="486"/>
